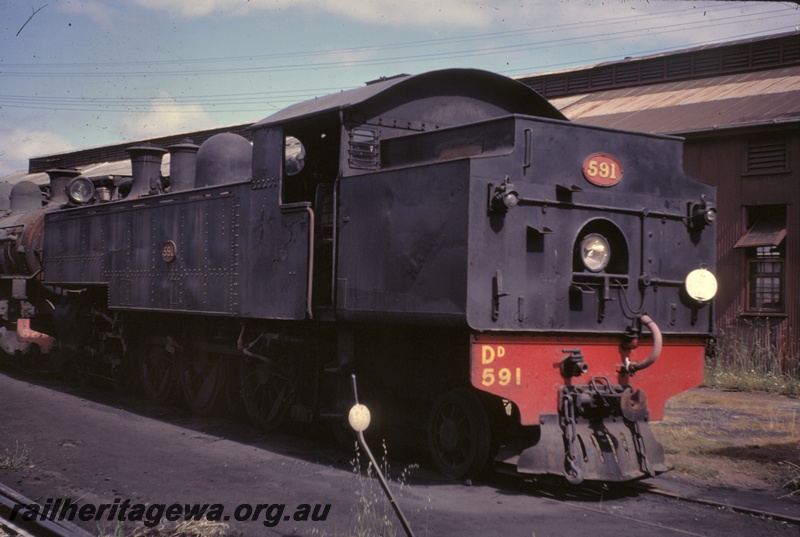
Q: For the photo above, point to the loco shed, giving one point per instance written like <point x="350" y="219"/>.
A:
<point x="506" y="284"/>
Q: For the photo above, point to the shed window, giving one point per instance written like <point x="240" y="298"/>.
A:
<point x="765" y="280"/>
<point x="765" y="258"/>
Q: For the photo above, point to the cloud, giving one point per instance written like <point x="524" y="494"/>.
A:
<point x="165" y="116"/>
<point x="18" y="145"/>
<point x="99" y="12"/>
<point x="383" y="12"/>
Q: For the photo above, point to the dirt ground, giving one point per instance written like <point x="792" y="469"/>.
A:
<point x="732" y="439"/>
<point x="59" y="441"/>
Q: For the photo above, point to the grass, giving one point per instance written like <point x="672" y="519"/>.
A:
<point x="735" y="439"/>
<point x="793" y="484"/>
<point x="742" y="438"/>
<point x="749" y="380"/>
<point x="373" y="513"/>
<point x="15" y="460"/>
<point x="19" y="459"/>
<point x="754" y="356"/>
<point x="192" y="528"/>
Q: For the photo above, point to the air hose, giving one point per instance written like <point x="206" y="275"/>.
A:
<point x="633" y="367"/>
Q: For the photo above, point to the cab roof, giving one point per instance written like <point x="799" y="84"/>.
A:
<point x="502" y="95"/>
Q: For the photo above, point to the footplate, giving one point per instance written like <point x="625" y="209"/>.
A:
<point x="600" y="433"/>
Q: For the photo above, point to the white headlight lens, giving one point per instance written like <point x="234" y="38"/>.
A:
<point x="510" y="199"/>
<point x="701" y="285"/>
<point x="80" y="191"/>
<point x="595" y="252"/>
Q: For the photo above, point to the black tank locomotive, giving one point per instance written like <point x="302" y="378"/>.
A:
<point x="507" y="285"/>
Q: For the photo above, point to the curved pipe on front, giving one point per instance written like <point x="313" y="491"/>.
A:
<point x="633" y="367"/>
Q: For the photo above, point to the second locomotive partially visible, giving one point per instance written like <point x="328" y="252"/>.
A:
<point x="507" y="285"/>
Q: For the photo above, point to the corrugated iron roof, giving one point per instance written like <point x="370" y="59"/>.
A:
<point x="693" y="105"/>
<point x="99" y="169"/>
<point x="727" y="45"/>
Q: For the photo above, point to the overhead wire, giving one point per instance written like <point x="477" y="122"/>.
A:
<point x="371" y="48"/>
<point x="226" y="103"/>
<point x="431" y="56"/>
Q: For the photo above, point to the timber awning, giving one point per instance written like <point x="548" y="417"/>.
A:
<point x="762" y="233"/>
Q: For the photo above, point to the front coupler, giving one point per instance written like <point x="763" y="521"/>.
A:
<point x="600" y="433"/>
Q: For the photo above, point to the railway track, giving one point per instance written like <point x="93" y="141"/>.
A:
<point x="10" y="502"/>
<point x="715" y="503"/>
<point x="580" y="495"/>
<point x="635" y="505"/>
<point x="9" y="499"/>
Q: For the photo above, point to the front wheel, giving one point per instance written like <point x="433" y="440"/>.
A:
<point x="459" y="434"/>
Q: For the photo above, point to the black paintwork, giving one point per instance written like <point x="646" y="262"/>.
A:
<point x="409" y="235"/>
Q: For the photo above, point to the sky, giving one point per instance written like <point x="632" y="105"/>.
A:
<point x="85" y="73"/>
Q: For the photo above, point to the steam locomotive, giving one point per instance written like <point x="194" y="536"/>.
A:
<point x="508" y="287"/>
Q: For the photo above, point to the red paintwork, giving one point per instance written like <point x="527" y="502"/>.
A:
<point x="679" y="368"/>
<point x="25" y="334"/>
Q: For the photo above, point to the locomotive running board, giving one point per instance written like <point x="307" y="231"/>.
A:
<point x="608" y="451"/>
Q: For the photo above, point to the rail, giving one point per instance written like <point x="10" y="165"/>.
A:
<point x="10" y="502"/>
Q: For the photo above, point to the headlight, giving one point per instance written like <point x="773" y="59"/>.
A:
<point x="80" y="191"/>
<point x="595" y="252"/>
<point x="504" y="197"/>
<point x="702" y="214"/>
<point x="701" y="285"/>
<point x="510" y="199"/>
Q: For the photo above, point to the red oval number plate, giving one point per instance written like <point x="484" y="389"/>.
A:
<point x="602" y="169"/>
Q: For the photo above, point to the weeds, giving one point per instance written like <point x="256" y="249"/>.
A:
<point x="733" y="438"/>
<point x="372" y="513"/>
<point x="191" y="528"/>
<point x="15" y="460"/>
<point x="754" y="356"/>
<point x="793" y="484"/>
<point x="725" y="378"/>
